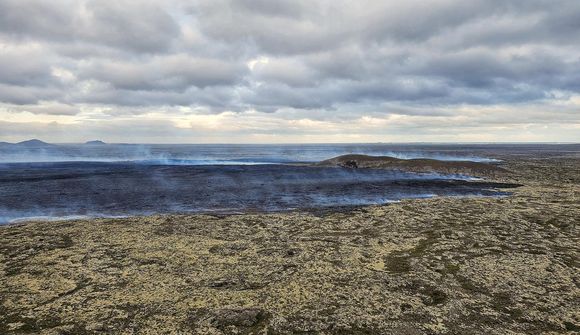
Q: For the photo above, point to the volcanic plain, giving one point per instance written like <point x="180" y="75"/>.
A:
<point x="446" y="265"/>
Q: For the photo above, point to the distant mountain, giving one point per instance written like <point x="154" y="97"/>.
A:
<point x="96" y="142"/>
<point x="34" y="143"/>
<point x="6" y="146"/>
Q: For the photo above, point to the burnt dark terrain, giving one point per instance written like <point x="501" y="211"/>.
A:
<point x="114" y="189"/>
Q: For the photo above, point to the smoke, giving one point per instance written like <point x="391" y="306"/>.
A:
<point x="214" y="154"/>
<point x="441" y="157"/>
<point x="120" y="189"/>
<point x="19" y="218"/>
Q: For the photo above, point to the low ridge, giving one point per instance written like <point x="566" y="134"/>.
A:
<point x="415" y="165"/>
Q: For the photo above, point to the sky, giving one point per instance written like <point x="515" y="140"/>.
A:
<point x="290" y="71"/>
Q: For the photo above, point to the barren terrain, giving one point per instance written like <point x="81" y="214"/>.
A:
<point x="434" y="266"/>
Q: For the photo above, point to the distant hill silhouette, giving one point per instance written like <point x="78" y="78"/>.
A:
<point x="95" y="142"/>
<point x="34" y="143"/>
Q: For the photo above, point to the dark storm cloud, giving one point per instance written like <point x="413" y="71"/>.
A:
<point x="334" y="59"/>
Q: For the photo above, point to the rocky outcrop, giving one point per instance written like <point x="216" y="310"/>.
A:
<point x="416" y="165"/>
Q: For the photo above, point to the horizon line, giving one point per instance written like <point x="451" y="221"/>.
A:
<point x="301" y="143"/>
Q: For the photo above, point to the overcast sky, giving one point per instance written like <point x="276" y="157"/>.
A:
<point x="290" y="71"/>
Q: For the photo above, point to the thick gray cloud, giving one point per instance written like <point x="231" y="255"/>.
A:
<point x="175" y="72"/>
<point x="325" y="60"/>
<point x="139" y="26"/>
<point x="19" y="95"/>
<point x="25" y="67"/>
